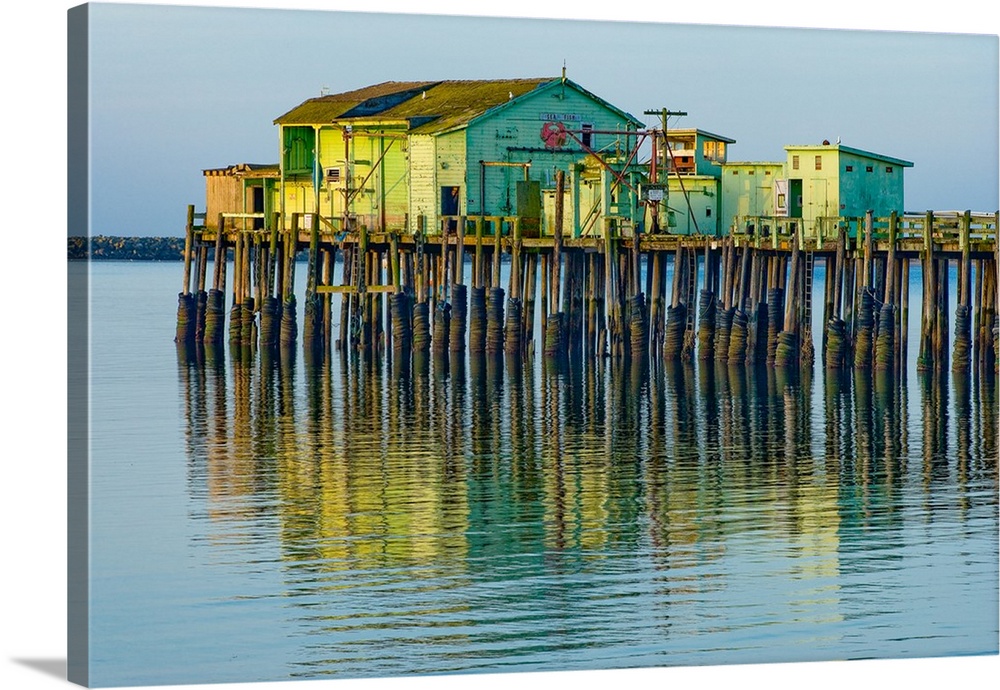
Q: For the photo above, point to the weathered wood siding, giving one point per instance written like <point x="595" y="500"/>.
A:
<point x="382" y="184"/>
<point x="223" y="194"/>
<point x="423" y="179"/>
<point x="513" y="133"/>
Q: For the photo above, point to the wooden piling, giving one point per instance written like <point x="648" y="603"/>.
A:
<point x="963" y="331"/>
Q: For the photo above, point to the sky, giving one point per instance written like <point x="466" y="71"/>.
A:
<point x="177" y="89"/>
<point x="34" y="347"/>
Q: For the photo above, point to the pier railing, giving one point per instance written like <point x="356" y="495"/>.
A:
<point x="949" y="231"/>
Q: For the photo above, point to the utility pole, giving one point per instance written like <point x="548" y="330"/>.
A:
<point x="664" y="114"/>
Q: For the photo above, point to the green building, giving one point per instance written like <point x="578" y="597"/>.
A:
<point x="833" y="180"/>
<point x="748" y="192"/>
<point x="820" y="184"/>
<point x="397" y="154"/>
<point x="694" y="193"/>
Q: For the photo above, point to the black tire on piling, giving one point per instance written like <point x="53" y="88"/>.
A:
<point x="638" y="327"/>
<point x="673" y="338"/>
<point x="836" y="343"/>
<point x="513" y="336"/>
<point x="883" y="354"/>
<point x="786" y="352"/>
<point x="421" y="329"/>
<point x="235" y="325"/>
<point x="477" y="320"/>
<point x="402" y="327"/>
<point x="757" y="349"/>
<point x="186" y="318"/>
<point x="442" y="317"/>
<point x="248" y="324"/>
<point x="289" y="325"/>
<point x="863" y="343"/>
<point x="706" y="325"/>
<point x="738" y="337"/>
<point x="775" y="320"/>
<point x="215" y="318"/>
<point x="996" y="346"/>
<point x="200" y="315"/>
<point x="553" y="346"/>
<point x="495" y="321"/>
<point x="270" y="322"/>
<point x="962" y="352"/>
<point x="459" y="318"/>
<point x="723" y="331"/>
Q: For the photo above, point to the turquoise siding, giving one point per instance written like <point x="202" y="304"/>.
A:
<point x="698" y="211"/>
<point x="513" y="134"/>
<point x="879" y="189"/>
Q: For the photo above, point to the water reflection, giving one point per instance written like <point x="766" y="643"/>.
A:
<point x="468" y="513"/>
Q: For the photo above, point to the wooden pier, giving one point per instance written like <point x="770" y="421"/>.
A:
<point x="743" y="299"/>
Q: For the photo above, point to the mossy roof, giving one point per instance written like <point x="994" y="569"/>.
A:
<point x="325" y="109"/>
<point x="451" y="104"/>
<point x="428" y="107"/>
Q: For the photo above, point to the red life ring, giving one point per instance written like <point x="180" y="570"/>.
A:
<point x="554" y="135"/>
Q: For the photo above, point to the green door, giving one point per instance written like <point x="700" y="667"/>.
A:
<point x="795" y="203"/>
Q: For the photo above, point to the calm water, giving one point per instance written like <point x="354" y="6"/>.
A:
<point x="288" y="518"/>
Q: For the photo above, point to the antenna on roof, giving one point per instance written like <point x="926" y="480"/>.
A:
<point x="324" y="90"/>
<point x="563" y="94"/>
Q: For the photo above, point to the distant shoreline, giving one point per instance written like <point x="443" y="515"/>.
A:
<point x="113" y="248"/>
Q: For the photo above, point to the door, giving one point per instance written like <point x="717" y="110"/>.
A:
<point x="450" y="195"/>
<point x="795" y="200"/>
<point x="257" y="201"/>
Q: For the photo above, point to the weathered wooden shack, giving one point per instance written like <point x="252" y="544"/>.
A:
<point x="390" y="154"/>
<point x="248" y="189"/>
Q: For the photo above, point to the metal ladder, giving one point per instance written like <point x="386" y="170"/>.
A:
<point x="807" y="297"/>
<point x="691" y="287"/>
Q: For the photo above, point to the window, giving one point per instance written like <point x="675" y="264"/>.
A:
<point x="850" y="168"/>
<point x="708" y="149"/>
<point x="795" y="162"/>
<point x="587" y="136"/>
<point x="333" y="175"/>
<point x="868" y="168"/>
<point x="888" y="168"/>
<point x="736" y="172"/>
<point x="708" y="212"/>
<point x="819" y="162"/>
<point x="720" y="150"/>
<point x="751" y="171"/>
<point x="781" y="201"/>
